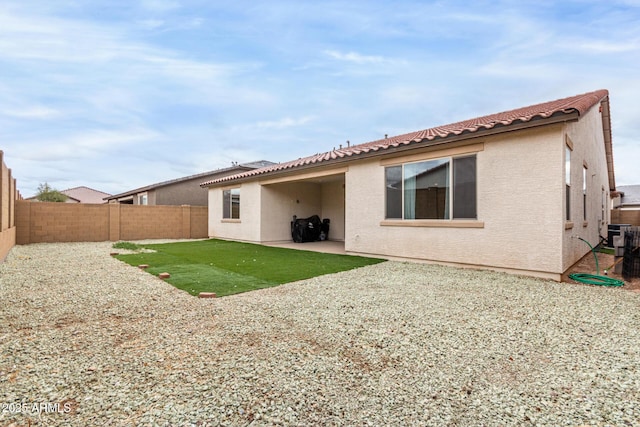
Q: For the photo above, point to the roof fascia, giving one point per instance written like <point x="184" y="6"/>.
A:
<point x="174" y="181"/>
<point x="498" y="129"/>
<point x="608" y="144"/>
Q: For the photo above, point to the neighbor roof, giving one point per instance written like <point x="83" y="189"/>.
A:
<point x="572" y="106"/>
<point x="243" y="167"/>
<point x="86" y="195"/>
<point x="630" y="194"/>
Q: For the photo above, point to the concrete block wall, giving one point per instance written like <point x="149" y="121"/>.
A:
<point x="619" y="216"/>
<point x="8" y="196"/>
<point x="63" y="222"/>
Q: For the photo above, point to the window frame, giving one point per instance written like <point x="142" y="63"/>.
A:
<point x="584" y="191"/>
<point x="450" y="197"/>
<point x="567" y="182"/>
<point x="228" y="211"/>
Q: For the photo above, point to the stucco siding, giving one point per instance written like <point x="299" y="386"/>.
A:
<point x="280" y="202"/>
<point x="333" y="208"/>
<point x="587" y="140"/>
<point x="247" y="228"/>
<point x="182" y="193"/>
<point x="518" y="206"/>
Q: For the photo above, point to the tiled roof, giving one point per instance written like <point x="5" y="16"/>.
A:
<point x="575" y="104"/>
<point x="631" y="194"/>
<point x="203" y="175"/>
<point x="86" y="195"/>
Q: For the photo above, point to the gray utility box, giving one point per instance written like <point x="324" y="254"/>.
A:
<point x="614" y="230"/>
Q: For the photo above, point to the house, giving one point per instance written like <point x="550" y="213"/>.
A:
<point x="84" y="194"/>
<point x="628" y="198"/>
<point x="181" y="191"/>
<point x="81" y="194"/>
<point x="509" y="191"/>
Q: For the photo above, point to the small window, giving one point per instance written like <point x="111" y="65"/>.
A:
<point x="567" y="171"/>
<point x="142" y="199"/>
<point x="393" y="178"/>
<point x="231" y="203"/>
<point x="464" y="188"/>
<point x="584" y="193"/>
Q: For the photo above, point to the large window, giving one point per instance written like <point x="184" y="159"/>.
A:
<point x="231" y="203"/>
<point x="433" y="189"/>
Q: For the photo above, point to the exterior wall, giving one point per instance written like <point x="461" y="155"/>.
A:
<point x="333" y="208"/>
<point x="520" y="216"/>
<point x="247" y="228"/>
<point x="280" y="202"/>
<point x="267" y="208"/>
<point x="8" y="196"/>
<point x="81" y="222"/>
<point x="521" y="225"/>
<point x="588" y="148"/>
<point x="182" y="193"/>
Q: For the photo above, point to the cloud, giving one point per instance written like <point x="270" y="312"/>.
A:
<point x="89" y="144"/>
<point x="36" y="112"/>
<point x="160" y="5"/>
<point x="354" y="57"/>
<point x="604" y="46"/>
<point x="283" y="123"/>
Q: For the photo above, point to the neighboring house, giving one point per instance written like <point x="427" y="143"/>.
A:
<point x="81" y="194"/>
<point x="509" y="191"/>
<point x="181" y="191"/>
<point x="85" y="195"/>
<point x="628" y="197"/>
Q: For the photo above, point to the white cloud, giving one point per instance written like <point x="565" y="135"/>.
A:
<point x="355" y="57"/>
<point x="37" y="112"/>
<point x="160" y="5"/>
<point x="283" y="123"/>
<point x="90" y="144"/>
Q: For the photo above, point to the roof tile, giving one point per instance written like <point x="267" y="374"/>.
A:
<point x="578" y="103"/>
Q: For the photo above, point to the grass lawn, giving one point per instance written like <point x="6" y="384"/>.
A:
<point x="228" y="268"/>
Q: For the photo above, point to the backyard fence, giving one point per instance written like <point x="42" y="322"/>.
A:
<point x="619" y="216"/>
<point x="38" y="222"/>
<point x="8" y="196"/>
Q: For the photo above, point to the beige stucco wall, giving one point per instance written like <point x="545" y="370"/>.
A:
<point x="588" y="148"/>
<point x="333" y="208"/>
<point x="519" y="179"/>
<point x="283" y="200"/>
<point x="278" y="202"/>
<point x="521" y="223"/>
<point x="247" y="228"/>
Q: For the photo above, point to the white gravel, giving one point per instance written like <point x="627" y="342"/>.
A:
<point x="390" y="344"/>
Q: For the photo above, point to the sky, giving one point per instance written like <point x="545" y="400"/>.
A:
<point x="118" y="94"/>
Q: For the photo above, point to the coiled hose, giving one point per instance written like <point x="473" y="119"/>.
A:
<point x="595" y="279"/>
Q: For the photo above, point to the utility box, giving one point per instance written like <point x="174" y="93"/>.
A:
<point x="614" y="230"/>
<point x="631" y="262"/>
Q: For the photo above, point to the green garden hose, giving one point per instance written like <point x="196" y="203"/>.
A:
<point x="595" y="279"/>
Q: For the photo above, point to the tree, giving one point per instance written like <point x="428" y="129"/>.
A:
<point x="48" y="194"/>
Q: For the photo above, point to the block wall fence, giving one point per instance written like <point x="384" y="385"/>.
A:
<point x="8" y="196"/>
<point x="38" y="222"/>
<point x="625" y="217"/>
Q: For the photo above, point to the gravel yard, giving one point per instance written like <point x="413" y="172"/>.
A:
<point x="390" y="344"/>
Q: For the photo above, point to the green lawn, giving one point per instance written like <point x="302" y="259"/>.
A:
<point x="228" y="268"/>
